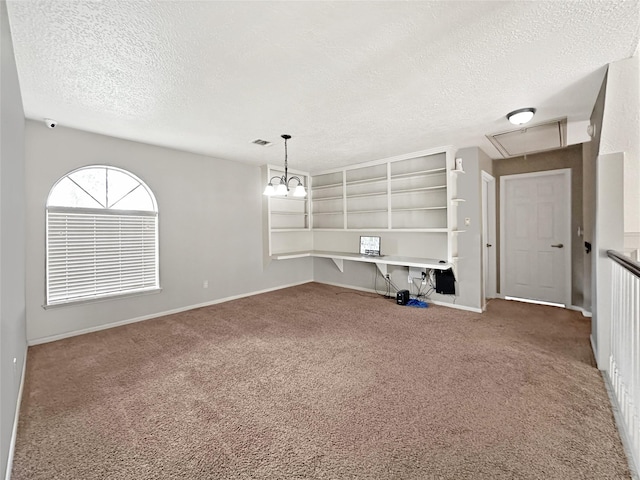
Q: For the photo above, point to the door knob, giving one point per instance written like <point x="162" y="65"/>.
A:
<point x="557" y="245"/>
<point x="489" y="245"/>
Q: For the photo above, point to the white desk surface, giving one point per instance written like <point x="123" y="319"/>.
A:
<point x="356" y="257"/>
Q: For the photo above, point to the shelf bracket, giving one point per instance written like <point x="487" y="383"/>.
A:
<point x="339" y="263"/>
<point x="383" y="268"/>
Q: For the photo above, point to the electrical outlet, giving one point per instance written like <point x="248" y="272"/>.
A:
<point x="467" y="221"/>
<point x="205" y="284"/>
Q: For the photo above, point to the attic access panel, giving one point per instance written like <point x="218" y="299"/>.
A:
<point x="533" y="139"/>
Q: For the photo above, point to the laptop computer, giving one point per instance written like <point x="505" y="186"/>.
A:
<point x="370" y="246"/>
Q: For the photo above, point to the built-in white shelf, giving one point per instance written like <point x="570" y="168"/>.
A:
<point x="289" y="229"/>
<point x="411" y="196"/>
<point x="322" y="199"/>
<point x="381" y="262"/>
<point x="372" y="194"/>
<point x="416" y="209"/>
<point x="365" y="181"/>
<point x="420" y="189"/>
<point x="322" y="187"/>
<point x="286" y="218"/>
<point x="367" y="211"/>
<point x="419" y="173"/>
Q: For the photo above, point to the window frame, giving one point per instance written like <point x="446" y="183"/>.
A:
<point x="88" y="212"/>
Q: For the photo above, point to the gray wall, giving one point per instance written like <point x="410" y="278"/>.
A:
<point x="12" y="239"/>
<point x="469" y="271"/>
<point x="569" y="157"/>
<point x="365" y="275"/>
<point x="589" y="159"/>
<point x="210" y="227"/>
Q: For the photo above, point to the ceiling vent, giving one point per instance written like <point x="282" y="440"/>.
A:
<point x="262" y="143"/>
<point x="533" y="139"/>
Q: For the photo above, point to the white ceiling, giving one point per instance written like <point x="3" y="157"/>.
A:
<point x="350" y="81"/>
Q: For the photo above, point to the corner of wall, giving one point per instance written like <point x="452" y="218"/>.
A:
<point x="13" y="344"/>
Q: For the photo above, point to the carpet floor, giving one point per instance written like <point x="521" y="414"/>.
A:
<point x="320" y="382"/>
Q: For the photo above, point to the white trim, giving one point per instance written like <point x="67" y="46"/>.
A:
<point x="104" y="298"/>
<point x="60" y="336"/>
<point x="14" y="430"/>
<point x="621" y="427"/>
<point x="456" y="306"/>
<point x="535" y="302"/>
<point x="434" y="302"/>
<point x="585" y="313"/>
<point x="566" y="173"/>
<point x="489" y="270"/>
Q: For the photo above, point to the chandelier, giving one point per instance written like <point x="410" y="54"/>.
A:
<point x="282" y="185"/>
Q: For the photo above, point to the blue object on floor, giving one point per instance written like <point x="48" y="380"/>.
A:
<point x="417" y="303"/>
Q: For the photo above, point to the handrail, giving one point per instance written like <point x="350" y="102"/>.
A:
<point x="626" y="262"/>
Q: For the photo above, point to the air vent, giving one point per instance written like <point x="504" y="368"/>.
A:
<point x="262" y="143"/>
<point x="533" y="139"/>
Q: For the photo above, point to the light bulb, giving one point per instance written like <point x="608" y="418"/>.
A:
<point x="299" y="191"/>
<point x="281" y="189"/>
<point x="269" y="190"/>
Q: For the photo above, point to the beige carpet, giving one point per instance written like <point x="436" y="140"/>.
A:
<point x="318" y="382"/>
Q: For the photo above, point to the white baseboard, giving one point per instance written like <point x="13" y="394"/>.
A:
<point x="350" y="287"/>
<point x="585" y="313"/>
<point x="434" y="302"/>
<point x="53" y="338"/>
<point x="456" y="306"/>
<point x="14" y="430"/>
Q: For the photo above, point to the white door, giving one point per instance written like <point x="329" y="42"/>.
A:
<point x="535" y="236"/>
<point x="488" y="236"/>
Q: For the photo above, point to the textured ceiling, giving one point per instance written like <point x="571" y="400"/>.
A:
<point x="350" y="81"/>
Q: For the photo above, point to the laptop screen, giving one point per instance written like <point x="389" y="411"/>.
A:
<point x="369" y="245"/>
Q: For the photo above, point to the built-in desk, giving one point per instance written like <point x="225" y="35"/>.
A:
<point x="381" y="262"/>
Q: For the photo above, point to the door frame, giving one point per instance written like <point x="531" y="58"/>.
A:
<point x="489" y="262"/>
<point x="566" y="177"/>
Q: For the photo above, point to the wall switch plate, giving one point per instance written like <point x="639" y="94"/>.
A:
<point x="205" y="284"/>
<point x="467" y="221"/>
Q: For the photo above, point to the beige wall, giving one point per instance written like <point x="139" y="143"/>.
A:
<point x="569" y="157"/>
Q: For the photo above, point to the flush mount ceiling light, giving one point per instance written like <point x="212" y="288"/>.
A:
<point x="282" y="185"/>
<point x="521" y="116"/>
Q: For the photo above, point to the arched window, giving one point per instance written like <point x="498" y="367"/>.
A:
<point x="102" y="236"/>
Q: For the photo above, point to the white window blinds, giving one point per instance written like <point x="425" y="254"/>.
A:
<point x="93" y="255"/>
<point x="102" y="236"/>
